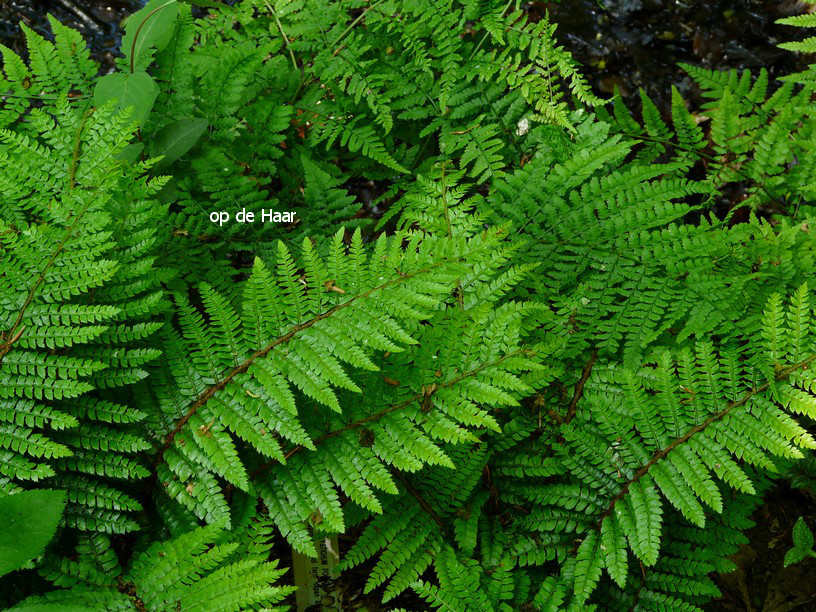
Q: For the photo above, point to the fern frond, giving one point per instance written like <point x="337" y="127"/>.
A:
<point x="197" y="570"/>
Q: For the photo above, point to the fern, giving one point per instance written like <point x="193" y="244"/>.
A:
<point x="521" y="348"/>
<point x="61" y="352"/>
<point x="204" y="569"/>
<point x="244" y="373"/>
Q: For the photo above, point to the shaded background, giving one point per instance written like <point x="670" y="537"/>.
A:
<point x="630" y="44"/>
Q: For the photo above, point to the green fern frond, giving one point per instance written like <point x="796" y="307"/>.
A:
<point x="59" y="353"/>
<point x="198" y="570"/>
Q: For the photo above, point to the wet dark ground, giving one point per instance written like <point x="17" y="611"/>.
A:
<point x="632" y="44"/>
<point x="99" y="22"/>
<point x="761" y="582"/>
<point x="628" y="44"/>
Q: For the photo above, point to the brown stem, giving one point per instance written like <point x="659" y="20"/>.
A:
<point x="129" y="589"/>
<point x="416" y="494"/>
<point x="663" y="452"/>
<point x="206" y="395"/>
<point x="138" y="31"/>
<point x="423" y="395"/>
<point x="15" y="331"/>
<point x="579" y="388"/>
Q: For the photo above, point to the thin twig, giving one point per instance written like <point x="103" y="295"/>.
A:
<point x="662" y="453"/>
<point x="207" y="394"/>
<point x="352" y="24"/>
<point x="579" y="388"/>
<point x="426" y="393"/>
<point x="422" y="503"/>
<point x="15" y="331"/>
<point x="283" y="33"/>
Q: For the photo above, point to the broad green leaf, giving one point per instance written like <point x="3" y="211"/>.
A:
<point x="175" y="139"/>
<point x="794" y="555"/>
<point x="138" y="90"/>
<point x="150" y="28"/>
<point x="130" y="152"/>
<point x="28" y="521"/>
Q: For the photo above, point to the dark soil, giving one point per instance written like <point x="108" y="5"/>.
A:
<point x="628" y="44"/>
<point x="633" y="44"/>
<point x="761" y="583"/>
<point x="98" y="22"/>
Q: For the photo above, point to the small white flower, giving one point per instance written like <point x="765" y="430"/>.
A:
<point x="523" y="126"/>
